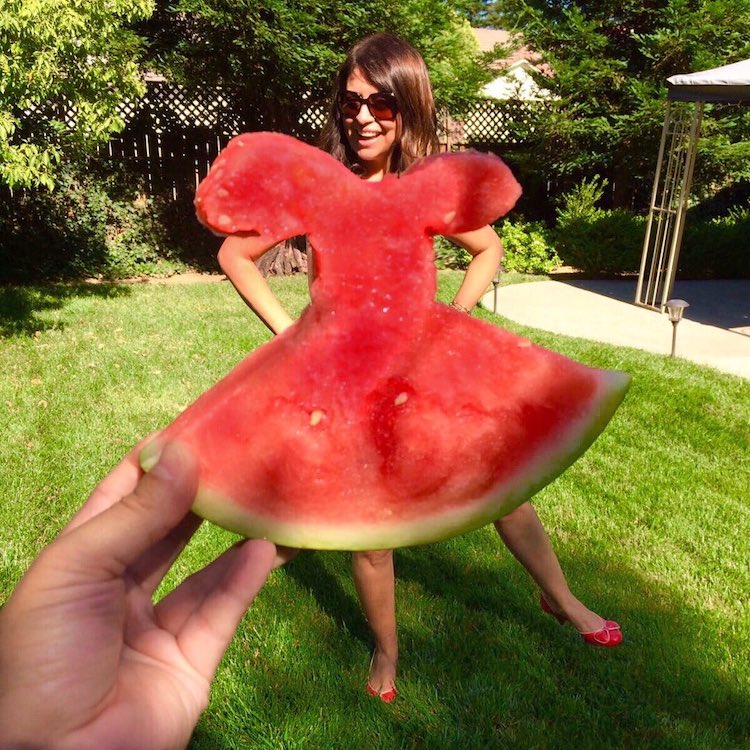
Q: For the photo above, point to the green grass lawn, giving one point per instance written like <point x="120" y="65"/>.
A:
<point x="651" y="525"/>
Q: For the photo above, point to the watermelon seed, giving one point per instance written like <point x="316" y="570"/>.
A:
<point x="316" y="417"/>
<point x="402" y="398"/>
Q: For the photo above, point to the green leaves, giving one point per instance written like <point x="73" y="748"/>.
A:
<point x="528" y="247"/>
<point x="456" y="68"/>
<point x="284" y="55"/>
<point x="610" y="61"/>
<point x="65" y="67"/>
<point x="28" y="164"/>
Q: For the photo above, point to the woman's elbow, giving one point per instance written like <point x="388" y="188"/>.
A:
<point x="493" y="250"/>
<point x="500" y="249"/>
<point x="222" y="256"/>
<point x="229" y="253"/>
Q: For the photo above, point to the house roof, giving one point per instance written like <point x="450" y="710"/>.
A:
<point x="515" y="79"/>
<point x="487" y="39"/>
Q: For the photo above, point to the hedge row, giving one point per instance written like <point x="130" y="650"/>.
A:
<point x="603" y="241"/>
<point x="100" y="223"/>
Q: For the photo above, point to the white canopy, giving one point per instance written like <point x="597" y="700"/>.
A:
<point x="729" y="83"/>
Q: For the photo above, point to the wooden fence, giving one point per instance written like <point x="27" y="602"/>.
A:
<point x="172" y="135"/>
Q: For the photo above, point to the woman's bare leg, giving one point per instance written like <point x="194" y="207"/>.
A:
<point x="523" y="534"/>
<point x="375" y="581"/>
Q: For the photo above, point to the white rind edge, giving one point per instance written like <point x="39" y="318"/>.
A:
<point x="501" y="500"/>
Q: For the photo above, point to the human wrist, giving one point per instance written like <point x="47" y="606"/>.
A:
<point x="282" y="325"/>
<point x="458" y="306"/>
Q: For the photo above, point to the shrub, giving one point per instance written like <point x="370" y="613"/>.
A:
<point x="612" y="242"/>
<point x="718" y="248"/>
<point x="602" y="241"/>
<point x="97" y="222"/>
<point x="528" y="247"/>
<point x="450" y="256"/>
<point x="596" y="240"/>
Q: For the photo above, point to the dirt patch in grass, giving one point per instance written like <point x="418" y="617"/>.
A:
<point x="190" y="277"/>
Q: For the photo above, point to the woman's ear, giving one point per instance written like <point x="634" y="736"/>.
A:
<point x="269" y="184"/>
<point x="460" y="191"/>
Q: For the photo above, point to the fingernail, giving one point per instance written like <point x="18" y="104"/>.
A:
<point x="151" y="454"/>
<point x="169" y="462"/>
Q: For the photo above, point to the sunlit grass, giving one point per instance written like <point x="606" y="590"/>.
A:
<point x="651" y="526"/>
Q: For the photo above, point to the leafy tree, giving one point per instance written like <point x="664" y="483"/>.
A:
<point x="610" y="61"/>
<point x="281" y="56"/>
<point x="65" y="67"/>
<point x="457" y="71"/>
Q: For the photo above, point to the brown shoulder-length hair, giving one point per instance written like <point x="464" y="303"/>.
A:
<point x="390" y="64"/>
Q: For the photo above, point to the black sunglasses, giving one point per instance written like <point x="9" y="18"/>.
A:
<point x="382" y="104"/>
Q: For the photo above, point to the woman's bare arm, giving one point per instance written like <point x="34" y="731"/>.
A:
<point x="487" y="249"/>
<point x="237" y="257"/>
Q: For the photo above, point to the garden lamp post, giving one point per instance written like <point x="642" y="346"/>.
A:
<point x="495" y="285"/>
<point x="675" y="310"/>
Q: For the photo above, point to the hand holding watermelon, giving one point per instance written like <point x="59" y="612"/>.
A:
<point x="87" y="660"/>
<point x="380" y="418"/>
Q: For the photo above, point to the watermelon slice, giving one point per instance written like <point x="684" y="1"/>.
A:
<point x="381" y="418"/>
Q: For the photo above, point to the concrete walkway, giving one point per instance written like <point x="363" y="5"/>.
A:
<point x="715" y="330"/>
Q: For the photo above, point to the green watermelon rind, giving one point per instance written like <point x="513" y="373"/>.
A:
<point x="470" y="515"/>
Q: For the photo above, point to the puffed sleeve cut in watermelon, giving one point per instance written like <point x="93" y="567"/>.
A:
<point x="381" y="418"/>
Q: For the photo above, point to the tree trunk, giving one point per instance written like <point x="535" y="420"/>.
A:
<point x="286" y="258"/>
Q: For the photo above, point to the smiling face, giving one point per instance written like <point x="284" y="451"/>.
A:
<point x="371" y="139"/>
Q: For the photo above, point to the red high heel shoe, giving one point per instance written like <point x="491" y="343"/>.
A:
<point x="608" y="636"/>
<point x="387" y="696"/>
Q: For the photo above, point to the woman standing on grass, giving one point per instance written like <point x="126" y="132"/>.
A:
<point x="382" y="120"/>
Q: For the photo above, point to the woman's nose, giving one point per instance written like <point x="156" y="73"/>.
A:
<point x="364" y="115"/>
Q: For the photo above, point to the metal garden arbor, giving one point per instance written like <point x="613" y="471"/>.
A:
<point x="686" y="96"/>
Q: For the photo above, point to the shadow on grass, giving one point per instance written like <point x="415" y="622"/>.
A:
<point x="310" y="572"/>
<point x="23" y="309"/>
<point x="205" y="738"/>
<point x="484" y="667"/>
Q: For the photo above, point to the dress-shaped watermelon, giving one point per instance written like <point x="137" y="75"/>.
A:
<point x="381" y="418"/>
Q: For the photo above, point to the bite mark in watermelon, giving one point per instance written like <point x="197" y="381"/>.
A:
<point x="381" y="418"/>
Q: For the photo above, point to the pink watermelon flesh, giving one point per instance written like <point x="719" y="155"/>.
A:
<point x="380" y="418"/>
